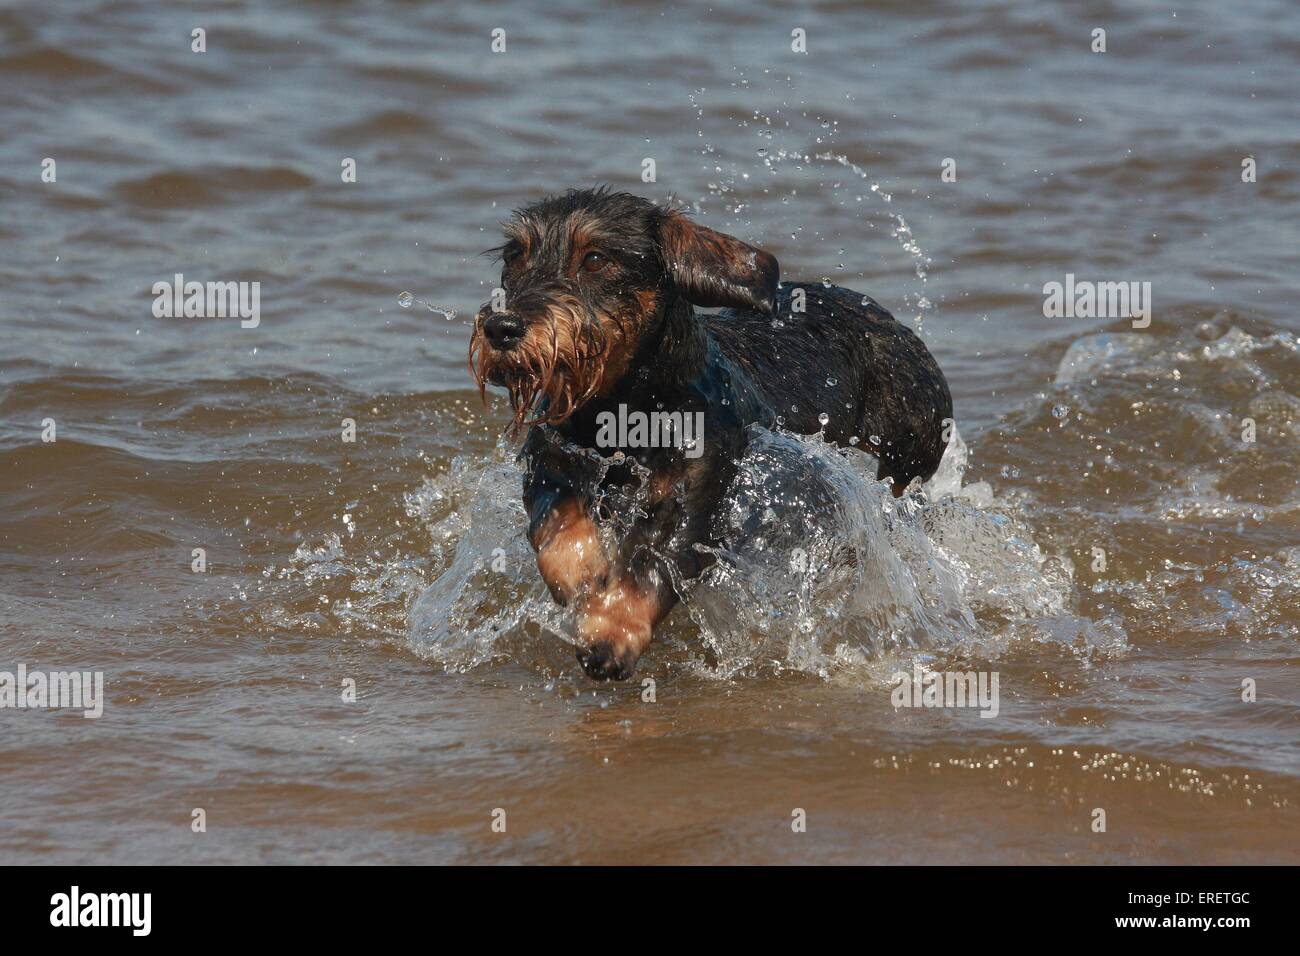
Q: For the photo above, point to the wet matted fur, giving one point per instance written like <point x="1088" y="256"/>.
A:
<point x="597" y="315"/>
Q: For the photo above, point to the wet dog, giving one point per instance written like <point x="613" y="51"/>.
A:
<point x="595" y="338"/>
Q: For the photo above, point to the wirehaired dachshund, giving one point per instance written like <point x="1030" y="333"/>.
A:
<point x="595" y="337"/>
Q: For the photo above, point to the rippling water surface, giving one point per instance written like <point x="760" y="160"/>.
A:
<point x="398" y="561"/>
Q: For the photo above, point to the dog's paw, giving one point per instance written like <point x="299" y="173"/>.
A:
<point x="605" y="662"/>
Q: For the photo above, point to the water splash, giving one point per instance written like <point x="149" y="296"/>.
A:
<point x="727" y="181"/>
<point x="406" y="300"/>
<point x="818" y="569"/>
<point x="901" y="231"/>
<point x="822" y="568"/>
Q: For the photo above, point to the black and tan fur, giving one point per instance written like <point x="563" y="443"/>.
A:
<point x="600" y="289"/>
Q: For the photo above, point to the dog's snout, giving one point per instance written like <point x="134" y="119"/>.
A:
<point x="504" y="329"/>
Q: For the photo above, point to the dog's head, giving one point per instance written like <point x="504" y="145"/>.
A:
<point x="584" y="278"/>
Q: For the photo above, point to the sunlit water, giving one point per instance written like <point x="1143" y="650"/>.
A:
<point x="1103" y="535"/>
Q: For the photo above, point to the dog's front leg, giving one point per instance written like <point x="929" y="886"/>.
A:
<point x="615" y="614"/>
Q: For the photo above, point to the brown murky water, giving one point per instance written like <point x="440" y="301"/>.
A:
<point x="397" y="561"/>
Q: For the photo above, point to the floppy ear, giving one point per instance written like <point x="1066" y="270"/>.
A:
<point x="713" y="269"/>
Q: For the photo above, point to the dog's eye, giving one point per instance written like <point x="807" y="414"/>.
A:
<point x="594" y="261"/>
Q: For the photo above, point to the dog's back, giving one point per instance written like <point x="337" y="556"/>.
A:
<point x="843" y="356"/>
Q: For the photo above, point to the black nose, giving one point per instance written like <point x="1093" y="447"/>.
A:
<point x="504" y="330"/>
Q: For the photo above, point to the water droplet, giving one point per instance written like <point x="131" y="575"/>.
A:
<point x="823" y="418"/>
<point x="1060" y="412"/>
<point x="405" y="300"/>
<point x="830" y="382"/>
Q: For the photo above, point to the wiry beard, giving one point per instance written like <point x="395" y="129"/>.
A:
<point x="547" y="376"/>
